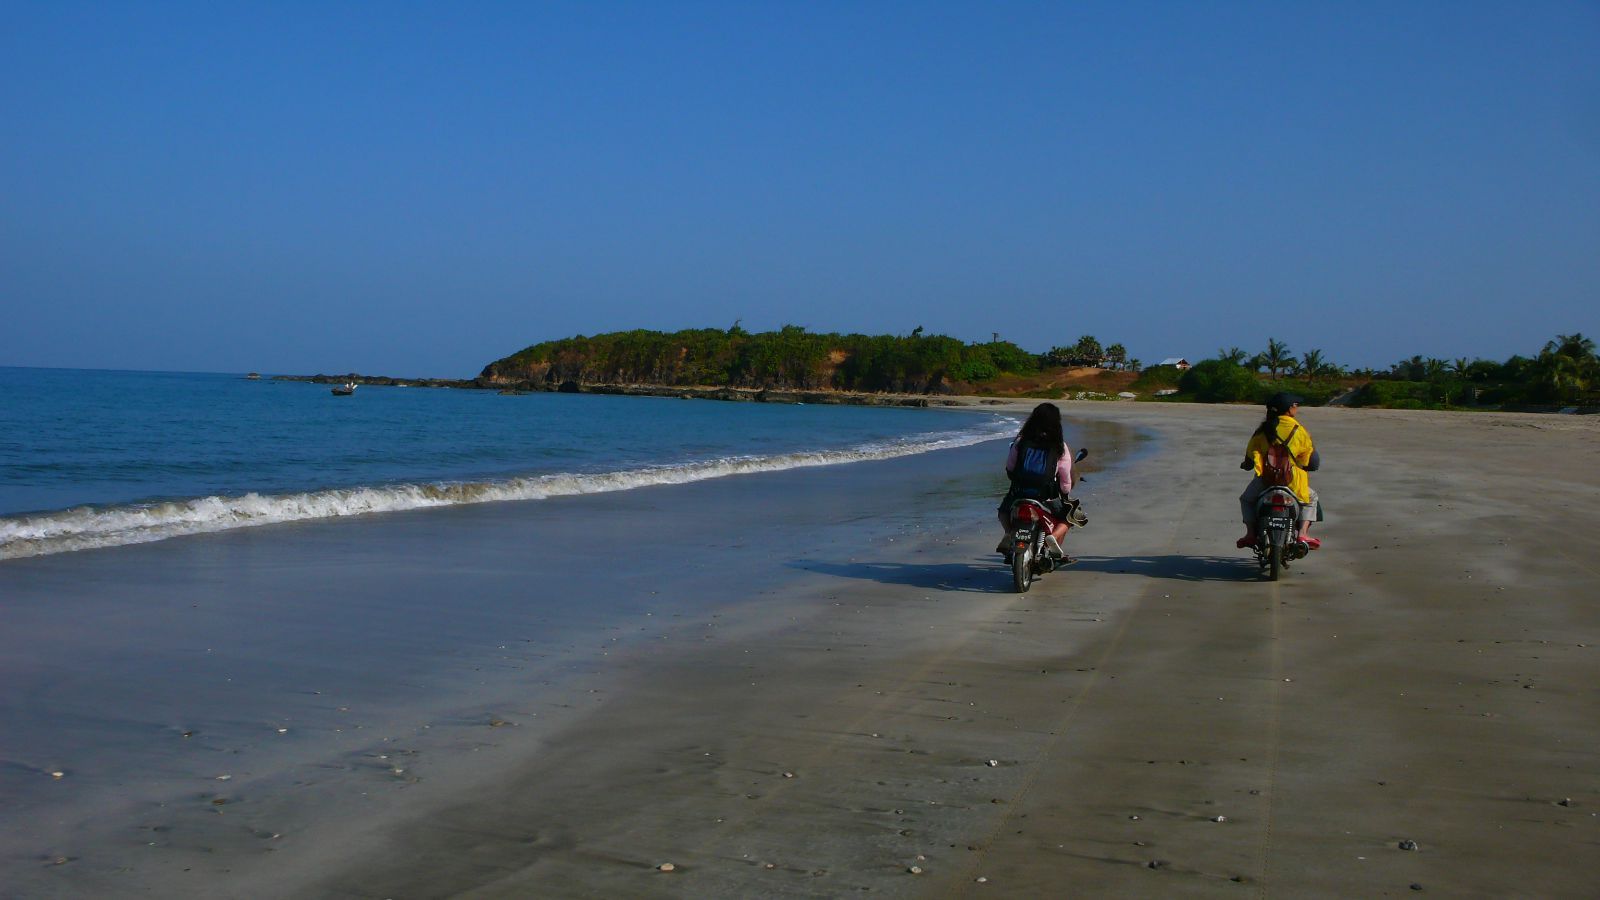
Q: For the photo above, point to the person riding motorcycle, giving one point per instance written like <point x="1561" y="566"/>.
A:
<point x="1281" y="427"/>
<point x="1039" y="464"/>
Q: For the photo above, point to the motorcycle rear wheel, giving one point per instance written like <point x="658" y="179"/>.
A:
<point x="1022" y="568"/>
<point x="1275" y="557"/>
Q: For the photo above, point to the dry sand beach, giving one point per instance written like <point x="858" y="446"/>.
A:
<point x="870" y="709"/>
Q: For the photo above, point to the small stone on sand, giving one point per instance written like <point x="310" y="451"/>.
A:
<point x="1408" y="845"/>
<point x="666" y="867"/>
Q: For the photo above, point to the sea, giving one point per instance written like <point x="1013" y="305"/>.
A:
<point x="96" y="458"/>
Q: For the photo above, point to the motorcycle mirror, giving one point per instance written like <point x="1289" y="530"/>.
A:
<point x="1082" y="452"/>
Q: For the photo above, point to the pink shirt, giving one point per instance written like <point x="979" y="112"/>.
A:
<point x="1063" y="465"/>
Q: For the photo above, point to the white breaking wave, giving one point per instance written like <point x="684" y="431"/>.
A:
<point x="88" y="527"/>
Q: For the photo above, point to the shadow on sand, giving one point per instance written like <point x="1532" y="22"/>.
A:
<point x="986" y="577"/>
<point x="1173" y="567"/>
<point x="992" y="577"/>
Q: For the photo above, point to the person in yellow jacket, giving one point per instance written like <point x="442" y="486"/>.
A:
<point x="1281" y="426"/>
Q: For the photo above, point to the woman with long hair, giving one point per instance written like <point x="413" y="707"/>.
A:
<point x="1039" y="464"/>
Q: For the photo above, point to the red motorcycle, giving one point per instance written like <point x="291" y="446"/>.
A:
<point x="1034" y="550"/>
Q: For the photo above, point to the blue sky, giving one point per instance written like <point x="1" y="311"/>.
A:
<point x="418" y="189"/>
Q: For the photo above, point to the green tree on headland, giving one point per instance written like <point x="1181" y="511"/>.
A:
<point x="789" y="358"/>
<point x="1117" y="356"/>
<point x="1086" y="352"/>
<point x="1219" y="381"/>
<point x="1276" y="358"/>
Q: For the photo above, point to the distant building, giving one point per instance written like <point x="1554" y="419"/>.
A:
<point x="1177" y="362"/>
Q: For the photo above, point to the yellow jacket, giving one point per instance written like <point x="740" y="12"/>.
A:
<point x="1299" y="447"/>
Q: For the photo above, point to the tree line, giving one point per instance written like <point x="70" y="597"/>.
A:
<point x="790" y="357"/>
<point x="1565" y="372"/>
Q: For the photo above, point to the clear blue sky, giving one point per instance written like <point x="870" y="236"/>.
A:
<point x="419" y="188"/>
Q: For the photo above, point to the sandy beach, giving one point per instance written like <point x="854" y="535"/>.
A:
<point x="818" y="683"/>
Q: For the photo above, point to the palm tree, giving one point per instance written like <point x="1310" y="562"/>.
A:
<point x="1088" y="351"/>
<point x="1564" y="374"/>
<point x="1574" y="346"/>
<point x="1409" y="369"/>
<point x="1233" y="355"/>
<point x="1116" y="355"/>
<point x="1313" y="364"/>
<point x="1277" y="357"/>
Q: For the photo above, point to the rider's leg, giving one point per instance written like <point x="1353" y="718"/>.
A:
<point x="1247" y="510"/>
<point x="1308" y="513"/>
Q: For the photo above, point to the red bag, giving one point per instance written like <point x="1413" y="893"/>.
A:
<point x="1277" y="465"/>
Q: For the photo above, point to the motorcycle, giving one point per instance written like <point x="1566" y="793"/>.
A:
<point x="1034" y="550"/>
<point x="1277" y="531"/>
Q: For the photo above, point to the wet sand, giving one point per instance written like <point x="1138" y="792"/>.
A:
<point x="867" y="707"/>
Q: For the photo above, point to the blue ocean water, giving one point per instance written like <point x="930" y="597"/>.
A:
<point x="93" y="458"/>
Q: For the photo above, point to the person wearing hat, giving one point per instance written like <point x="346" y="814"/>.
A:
<point x="1281" y="427"/>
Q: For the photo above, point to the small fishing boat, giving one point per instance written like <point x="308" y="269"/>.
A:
<point x="254" y="376"/>
<point x="344" y="390"/>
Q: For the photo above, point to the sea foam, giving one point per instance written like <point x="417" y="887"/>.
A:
<point x="89" y="527"/>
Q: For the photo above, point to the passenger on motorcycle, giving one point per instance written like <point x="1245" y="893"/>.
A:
<point x="1039" y="464"/>
<point x="1281" y="427"/>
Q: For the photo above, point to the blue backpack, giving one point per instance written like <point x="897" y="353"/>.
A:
<point x="1035" y="472"/>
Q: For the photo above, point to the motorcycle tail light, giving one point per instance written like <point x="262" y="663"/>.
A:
<point x="1280" y="502"/>
<point x="1027" y="512"/>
